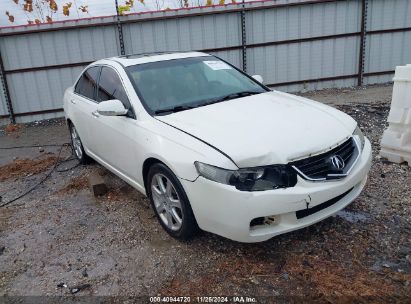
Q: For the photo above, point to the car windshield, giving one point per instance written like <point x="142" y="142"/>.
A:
<point x="176" y="85"/>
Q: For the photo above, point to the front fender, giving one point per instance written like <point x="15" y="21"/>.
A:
<point x="179" y="150"/>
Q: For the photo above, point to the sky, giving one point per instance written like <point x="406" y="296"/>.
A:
<point x="95" y="7"/>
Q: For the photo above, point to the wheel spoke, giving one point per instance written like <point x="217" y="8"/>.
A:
<point x="174" y="203"/>
<point x="169" y="219"/>
<point x="160" y="208"/>
<point x="156" y="191"/>
<point x="169" y="188"/>
<point x="176" y="217"/>
<point x="160" y="183"/>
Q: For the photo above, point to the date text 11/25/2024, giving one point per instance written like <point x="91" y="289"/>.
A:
<point x="234" y="299"/>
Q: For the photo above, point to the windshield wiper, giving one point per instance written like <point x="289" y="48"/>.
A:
<point x="173" y="109"/>
<point x="220" y="99"/>
<point x="232" y="96"/>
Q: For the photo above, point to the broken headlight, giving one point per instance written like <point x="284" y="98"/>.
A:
<point x="358" y="135"/>
<point x="250" y="179"/>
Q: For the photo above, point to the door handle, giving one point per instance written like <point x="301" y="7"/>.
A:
<point x="95" y="114"/>
<point x="72" y="101"/>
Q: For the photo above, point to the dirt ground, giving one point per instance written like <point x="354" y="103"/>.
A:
<point x="60" y="240"/>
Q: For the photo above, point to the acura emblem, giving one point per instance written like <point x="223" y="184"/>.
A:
<point x="337" y="162"/>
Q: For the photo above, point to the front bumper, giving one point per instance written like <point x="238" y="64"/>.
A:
<point x="226" y="211"/>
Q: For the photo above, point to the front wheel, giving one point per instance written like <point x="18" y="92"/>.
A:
<point x="170" y="203"/>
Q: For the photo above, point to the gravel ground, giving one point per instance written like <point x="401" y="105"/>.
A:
<point x="59" y="237"/>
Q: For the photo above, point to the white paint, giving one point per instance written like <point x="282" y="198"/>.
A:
<point x="111" y="108"/>
<point x="259" y="78"/>
<point x="396" y="140"/>
<point x="263" y="129"/>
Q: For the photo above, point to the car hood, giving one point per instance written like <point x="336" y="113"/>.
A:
<point x="264" y="129"/>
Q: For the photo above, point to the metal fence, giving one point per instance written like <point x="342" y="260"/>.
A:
<point x="293" y="44"/>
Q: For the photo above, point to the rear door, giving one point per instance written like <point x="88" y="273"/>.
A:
<point x="85" y="104"/>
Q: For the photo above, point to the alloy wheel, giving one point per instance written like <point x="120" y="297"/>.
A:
<point x="77" y="146"/>
<point x="166" y="201"/>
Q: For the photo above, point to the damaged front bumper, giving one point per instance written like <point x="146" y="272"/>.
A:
<point x="234" y="214"/>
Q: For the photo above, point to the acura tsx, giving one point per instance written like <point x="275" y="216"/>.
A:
<point x="213" y="148"/>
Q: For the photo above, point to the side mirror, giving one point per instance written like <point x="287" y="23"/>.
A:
<point x="112" y="107"/>
<point x="259" y="78"/>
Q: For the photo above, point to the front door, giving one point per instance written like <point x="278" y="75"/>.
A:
<point x="115" y="135"/>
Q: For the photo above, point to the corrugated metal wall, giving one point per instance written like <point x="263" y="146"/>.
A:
<point x="41" y="89"/>
<point x="307" y="60"/>
<point x="191" y="33"/>
<point x="293" y="44"/>
<point x="385" y="50"/>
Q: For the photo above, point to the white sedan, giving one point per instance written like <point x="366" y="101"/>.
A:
<point x="213" y="148"/>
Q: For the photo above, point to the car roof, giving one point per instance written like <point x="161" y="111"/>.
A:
<point x="134" y="59"/>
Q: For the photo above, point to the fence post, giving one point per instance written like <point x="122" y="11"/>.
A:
<point x="6" y="92"/>
<point x="244" y="37"/>
<point x="120" y="31"/>
<point x="361" y="59"/>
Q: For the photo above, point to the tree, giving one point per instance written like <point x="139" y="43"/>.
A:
<point x="42" y="11"/>
<point x="128" y="5"/>
<point x="159" y="4"/>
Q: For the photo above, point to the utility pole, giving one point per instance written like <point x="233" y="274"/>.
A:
<point x="6" y="93"/>
<point x="244" y="37"/>
<point x="120" y="31"/>
<point x="363" y="37"/>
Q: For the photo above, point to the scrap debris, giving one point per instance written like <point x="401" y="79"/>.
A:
<point x="75" y="184"/>
<point x="13" y="128"/>
<point x="26" y="167"/>
<point x="97" y="184"/>
<point x="79" y="288"/>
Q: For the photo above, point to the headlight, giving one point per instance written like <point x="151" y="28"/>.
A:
<point x="251" y="179"/>
<point x="358" y="135"/>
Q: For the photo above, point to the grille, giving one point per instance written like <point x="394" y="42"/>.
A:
<point x="334" y="164"/>
<point x="307" y="212"/>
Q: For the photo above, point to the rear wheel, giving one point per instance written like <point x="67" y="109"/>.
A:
<point x="77" y="146"/>
<point x="170" y="203"/>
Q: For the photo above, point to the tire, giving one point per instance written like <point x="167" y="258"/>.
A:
<point x="77" y="146"/>
<point x="170" y="203"/>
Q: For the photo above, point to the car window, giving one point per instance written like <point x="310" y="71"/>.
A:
<point x="111" y="87"/>
<point x="87" y="83"/>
